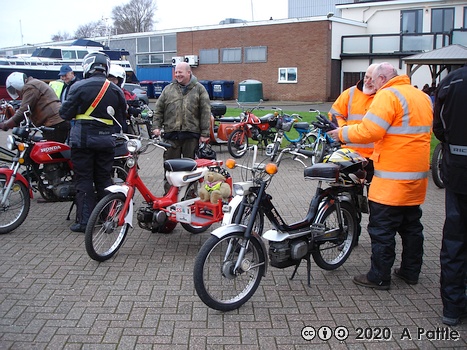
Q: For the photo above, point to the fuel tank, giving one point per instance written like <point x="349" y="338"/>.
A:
<point x="47" y="152"/>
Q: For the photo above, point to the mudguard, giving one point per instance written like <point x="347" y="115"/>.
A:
<point x="223" y="231"/>
<point x="123" y="189"/>
<point x="8" y="173"/>
<point x="233" y="204"/>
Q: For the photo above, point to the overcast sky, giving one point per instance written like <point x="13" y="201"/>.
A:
<point x="33" y="21"/>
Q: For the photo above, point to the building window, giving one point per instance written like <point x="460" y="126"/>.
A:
<point x="465" y="18"/>
<point x="142" y="44"/>
<point x="232" y="55"/>
<point x="287" y="75"/>
<point x="156" y="43"/>
<point x="170" y="43"/>
<point x="142" y="59"/>
<point x="256" y="54"/>
<point x="209" y="56"/>
<point x="442" y="20"/>
<point x="412" y="21"/>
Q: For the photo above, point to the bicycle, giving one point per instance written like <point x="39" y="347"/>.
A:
<point x="306" y="138"/>
<point x="324" y="144"/>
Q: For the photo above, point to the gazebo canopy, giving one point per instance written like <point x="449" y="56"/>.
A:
<point x="448" y="57"/>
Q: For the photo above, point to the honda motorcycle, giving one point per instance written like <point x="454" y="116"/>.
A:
<point x="46" y="167"/>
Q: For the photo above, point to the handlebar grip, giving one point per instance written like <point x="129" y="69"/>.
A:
<point x="305" y="152"/>
<point x="47" y="128"/>
<point x="164" y="144"/>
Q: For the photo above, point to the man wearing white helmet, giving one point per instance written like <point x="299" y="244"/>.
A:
<point x="43" y="102"/>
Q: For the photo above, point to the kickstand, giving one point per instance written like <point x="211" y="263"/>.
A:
<point x="71" y="208"/>
<point x="308" y="268"/>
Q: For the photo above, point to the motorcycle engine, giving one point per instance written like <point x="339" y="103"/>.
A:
<point x="287" y="253"/>
<point x="54" y="179"/>
<point x="255" y="134"/>
<point x="150" y="219"/>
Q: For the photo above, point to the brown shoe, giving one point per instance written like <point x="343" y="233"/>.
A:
<point x="362" y="280"/>
<point x="397" y="273"/>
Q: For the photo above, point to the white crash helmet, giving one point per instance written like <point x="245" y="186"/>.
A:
<point x="14" y="83"/>
<point x="118" y="72"/>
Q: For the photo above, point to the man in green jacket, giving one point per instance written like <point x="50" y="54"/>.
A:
<point x="183" y="114"/>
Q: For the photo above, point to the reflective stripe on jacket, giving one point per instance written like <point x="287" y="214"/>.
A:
<point x="399" y="122"/>
<point x="349" y="109"/>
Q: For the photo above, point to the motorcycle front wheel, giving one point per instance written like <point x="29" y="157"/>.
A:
<point x="103" y="236"/>
<point x="16" y="208"/>
<point x="331" y="254"/>
<point x="237" y="143"/>
<point x="216" y="281"/>
<point x="436" y="160"/>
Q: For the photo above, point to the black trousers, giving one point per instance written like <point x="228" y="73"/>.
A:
<point x="384" y="222"/>
<point x="60" y="132"/>
<point x="92" y="168"/>
<point x="453" y="255"/>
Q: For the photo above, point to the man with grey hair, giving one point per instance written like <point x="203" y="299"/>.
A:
<point x="399" y="123"/>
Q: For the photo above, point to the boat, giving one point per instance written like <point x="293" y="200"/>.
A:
<point x="45" y="62"/>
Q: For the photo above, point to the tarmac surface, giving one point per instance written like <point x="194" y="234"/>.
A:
<point x="53" y="296"/>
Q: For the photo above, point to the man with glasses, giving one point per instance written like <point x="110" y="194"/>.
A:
<point x="399" y="123"/>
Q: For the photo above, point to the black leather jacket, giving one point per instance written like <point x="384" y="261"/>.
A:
<point x="93" y="133"/>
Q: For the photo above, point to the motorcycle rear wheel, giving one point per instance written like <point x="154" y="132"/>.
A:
<point x="436" y="160"/>
<point x="332" y="254"/>
<point x="216" y="283"/>
<point x="237" y="143"/>
<point x="16" y="208"/>
<point x="103" y="236"/>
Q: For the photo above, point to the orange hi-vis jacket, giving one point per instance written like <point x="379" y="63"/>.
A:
<point x="399" y="123"/>
<point x="349" y="109"/>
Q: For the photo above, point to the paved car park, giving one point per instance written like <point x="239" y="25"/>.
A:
<point x="53" y="296"/>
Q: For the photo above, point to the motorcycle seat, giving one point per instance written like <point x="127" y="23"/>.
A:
<point x="183" y="164"/>
<point x="267" y="118"/>
<point x="229" y="120"/>
<point x="322" y="171"/>
<point x="301" y="125"/>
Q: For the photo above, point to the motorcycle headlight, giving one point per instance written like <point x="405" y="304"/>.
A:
<point x="10" y="143"/>
<point x="242" y="188"/>
<point x="133" y="145"/>
<point x="130" y="162"/>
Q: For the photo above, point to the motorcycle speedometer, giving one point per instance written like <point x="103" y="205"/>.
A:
<point x="11" y="142"/>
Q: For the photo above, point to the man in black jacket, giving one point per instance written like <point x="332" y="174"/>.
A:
<point x="449" y="126"/>
<point x="91" y="140"/>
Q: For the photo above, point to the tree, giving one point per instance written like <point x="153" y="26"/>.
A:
<point x="61" y="36"/>
<point x="134" y="17"/>
<point x="92" y="29"/>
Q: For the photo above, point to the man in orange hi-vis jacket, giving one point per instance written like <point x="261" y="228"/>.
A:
<point x="399" y="123"/>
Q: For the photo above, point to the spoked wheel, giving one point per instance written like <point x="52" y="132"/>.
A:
<point x="103" y="236"/>
<point x="237" y="143"/>
<point x="16" y="208"/>
<point x="192" y="192"/>
<point x="218" y="284"/>
<point x="436" y="160"/>
<point x="332" y="254"/>
<point x="318" y="150"/>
